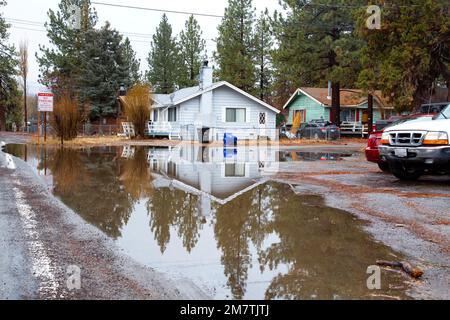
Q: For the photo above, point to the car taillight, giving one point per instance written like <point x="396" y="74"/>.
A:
<point x="373" y="141"/>
<point x="323" y="130"/>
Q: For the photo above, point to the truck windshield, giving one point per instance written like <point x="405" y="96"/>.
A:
<point x="445" y="114"/>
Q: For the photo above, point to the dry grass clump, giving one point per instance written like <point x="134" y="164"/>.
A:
<point x="66" y="116"/>
<point x="137" y="107"/>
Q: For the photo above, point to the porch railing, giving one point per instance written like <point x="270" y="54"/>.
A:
<point x="351" y="127"/>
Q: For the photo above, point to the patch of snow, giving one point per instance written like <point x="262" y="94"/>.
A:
<point x="6" y="160"/>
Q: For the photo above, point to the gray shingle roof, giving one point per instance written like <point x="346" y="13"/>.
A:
<point x="165" y="99"/>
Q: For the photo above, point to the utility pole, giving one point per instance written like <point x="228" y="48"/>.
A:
<point x="370" y="113"/>
<point x="336" y="103"/>
<point x="24" y="74"/>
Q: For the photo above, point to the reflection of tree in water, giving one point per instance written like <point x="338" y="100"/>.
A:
<point x="189" y="222"/>
<point x="326" y="250"/>
<point x="17" y="150"/>
<point x="171" y="207"/>
<point x="136" y="176"/>
<point x="88" y="182"/>
<point x="237" y="223"/>
<point x="69" y="174"/>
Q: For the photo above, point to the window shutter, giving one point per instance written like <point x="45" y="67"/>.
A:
<point x="248" y="115"/>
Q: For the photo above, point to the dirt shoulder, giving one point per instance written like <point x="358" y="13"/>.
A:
<point x="99" y="141"/>
<point x="41" y="239"/>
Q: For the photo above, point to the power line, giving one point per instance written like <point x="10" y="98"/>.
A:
<point x="158" y="10"/>
<point x="42" y="24"/>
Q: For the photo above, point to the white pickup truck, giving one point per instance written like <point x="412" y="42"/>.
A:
<point x="414" y="148"/>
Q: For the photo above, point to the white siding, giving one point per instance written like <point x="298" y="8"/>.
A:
<point x="224" y="97"/>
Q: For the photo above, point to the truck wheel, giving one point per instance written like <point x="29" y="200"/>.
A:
<point x="384" y="166"/>
<point x="405" y="172"/>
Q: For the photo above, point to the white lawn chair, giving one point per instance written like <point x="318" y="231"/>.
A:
<point x="128" y="129"/>
<point x="128" y="152"/>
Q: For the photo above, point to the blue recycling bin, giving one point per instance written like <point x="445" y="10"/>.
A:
<point x="229" y="139"/>
<point x="229" y="153"/>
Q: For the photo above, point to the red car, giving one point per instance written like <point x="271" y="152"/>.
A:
<point x="372" y="152"/>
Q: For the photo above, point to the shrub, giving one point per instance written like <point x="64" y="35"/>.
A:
<point x="137" y="107"/>
<point x="66" y="116"/>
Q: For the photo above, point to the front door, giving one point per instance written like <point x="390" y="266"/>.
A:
<point x="262" y="123"/>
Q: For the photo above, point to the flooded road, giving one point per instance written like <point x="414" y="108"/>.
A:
<point x="214" y="216"/>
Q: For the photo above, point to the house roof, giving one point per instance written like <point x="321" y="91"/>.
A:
<point x="186" y="94"/>
<point x="169" y="99"/>
<point x="348" y="97"/>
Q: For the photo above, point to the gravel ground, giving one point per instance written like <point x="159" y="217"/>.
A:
<point x="41" y="239"/>
<point x="412" y="218"/>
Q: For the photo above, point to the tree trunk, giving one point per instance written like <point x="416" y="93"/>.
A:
<point x="336" y="103"/>
<point x="448" y="90"/>
<point x="25" y="111"/>
<point x="2" y="118"/>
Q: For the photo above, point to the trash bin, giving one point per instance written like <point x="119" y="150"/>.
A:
<point x="203" y="135"/>
<point x="229" y="140"/>
<point x="229" y="152"/>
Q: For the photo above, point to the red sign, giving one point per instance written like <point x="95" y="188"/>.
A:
<point x="45" y="102"/>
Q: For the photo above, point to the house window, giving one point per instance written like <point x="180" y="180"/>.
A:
<point x="236" y="115"/>
<point x="155" y="115"/>
<point x="262" y="118"/>
<point x="235" y="170"/>
<point x="172" y="169"/>
<point x="172" y="115"/>
<point x="302" y="114"/>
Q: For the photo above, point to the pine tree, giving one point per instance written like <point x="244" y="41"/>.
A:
<point x="89" y="63"/>
<point x="131" y="63"/>
<point x="191" y="47"/>
<point x="264" y="47"/>
<point x="104" y="69"/>
<point x="236" y="46"/>
<point x="317" y="44"/>
<point x="8" y="71"/>
<point x="164" y="59"/>
<point x="409" y="54"/>
<point x="61" y="63"/>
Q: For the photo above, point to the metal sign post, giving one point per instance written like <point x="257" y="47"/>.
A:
<point x="45" y="104"/>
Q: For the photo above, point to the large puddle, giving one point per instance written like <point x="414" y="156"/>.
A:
<point x="213" y="216"/>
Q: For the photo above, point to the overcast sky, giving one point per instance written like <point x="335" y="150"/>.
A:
<point x="124" y="20"/>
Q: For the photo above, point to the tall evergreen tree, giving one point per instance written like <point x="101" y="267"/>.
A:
<point x="264" y="47"/>
<point x="191" y="47"/>
<point x="409" y="54"/>
<point x="104" y="69"/>
<point x="236" y="45"/>
<point x="63" y="60"/>
<point x="8" y="71"/>
<point x="131" y="63"/>
<point x="164" y="59"/>
<point x="317" y="44"/>
<point x="91" y="63"/>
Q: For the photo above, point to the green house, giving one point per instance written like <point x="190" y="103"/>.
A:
<point x="315" y="103"/>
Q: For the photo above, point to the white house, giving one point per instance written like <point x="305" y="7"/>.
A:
<point x="221" y="107"/>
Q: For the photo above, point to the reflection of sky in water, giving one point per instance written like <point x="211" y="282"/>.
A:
<point x="226" y="228"/>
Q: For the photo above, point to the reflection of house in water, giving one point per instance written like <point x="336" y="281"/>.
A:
<point x="213" y="173"/>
